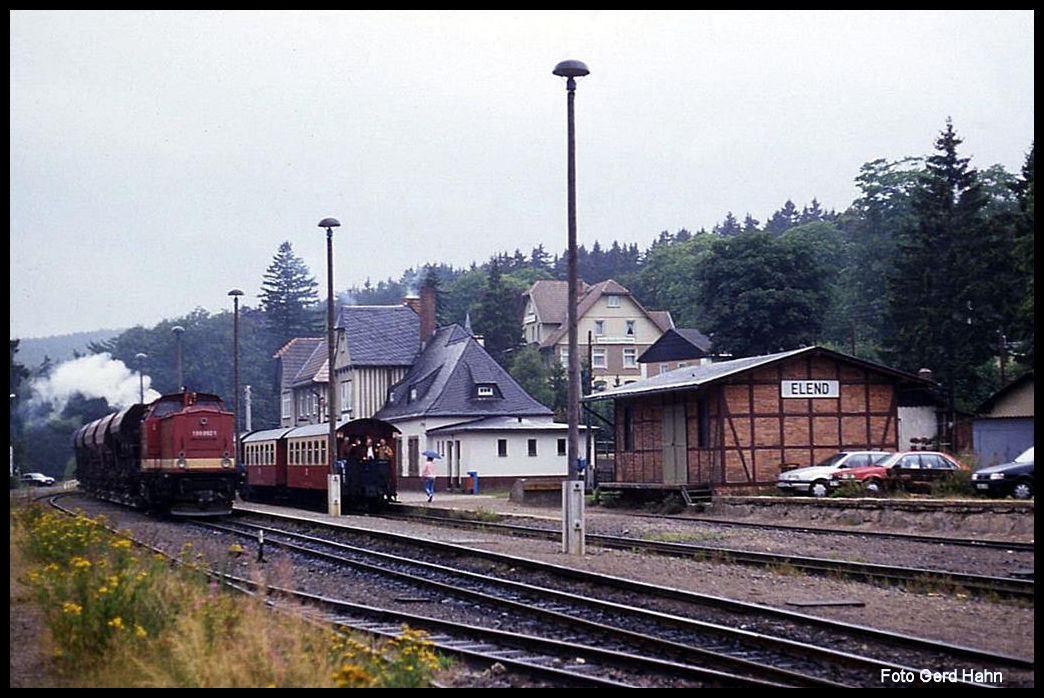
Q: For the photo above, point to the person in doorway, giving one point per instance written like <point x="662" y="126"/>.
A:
<point x="428" y="473"/>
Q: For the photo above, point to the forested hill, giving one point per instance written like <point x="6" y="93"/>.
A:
<point x="60" y="347"/>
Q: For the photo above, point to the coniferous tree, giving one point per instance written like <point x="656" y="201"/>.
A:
<point x="289" y="297"/>
<point x="943" y="306"/>
<point x="496" y="318"/>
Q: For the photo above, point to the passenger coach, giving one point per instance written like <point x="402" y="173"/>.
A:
<point x="292" y="464"/>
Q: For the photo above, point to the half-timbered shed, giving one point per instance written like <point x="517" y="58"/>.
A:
<point x="739" y="423"/>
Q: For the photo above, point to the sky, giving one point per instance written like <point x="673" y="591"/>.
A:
<point x="159" y="158"/>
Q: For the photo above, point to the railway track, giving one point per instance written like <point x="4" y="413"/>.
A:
<point x="1019" y="546"/>
<point x="1015" y="587"/>
<point x="554" y="663"/>
<point x="607" y="598"/>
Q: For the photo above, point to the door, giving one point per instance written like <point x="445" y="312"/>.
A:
<point x="675" y="461"/>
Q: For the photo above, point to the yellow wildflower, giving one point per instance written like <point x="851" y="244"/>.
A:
<point x="116" y="622"/>
<point x="73" y="609"/>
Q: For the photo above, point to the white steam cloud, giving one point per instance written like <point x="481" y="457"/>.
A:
<point x="97" y="375"/>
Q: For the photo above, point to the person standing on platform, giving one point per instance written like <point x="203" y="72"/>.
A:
<point x="428" y="473"/>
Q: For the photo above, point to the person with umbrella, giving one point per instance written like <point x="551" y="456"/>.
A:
<point x="428" y="472"/>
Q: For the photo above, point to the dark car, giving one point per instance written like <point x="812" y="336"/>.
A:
<point x="1013" y="479"/>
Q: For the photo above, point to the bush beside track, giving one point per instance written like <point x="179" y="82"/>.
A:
<point x="117" y="617"/>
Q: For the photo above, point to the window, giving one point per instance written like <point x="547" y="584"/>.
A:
<point x="288" y="406"/>
<point x="599" y="327"/>
<point x="485" y="391"/>
<point x="598" y="358"/>
<point x="561" y="447"/>
<point x="612" y="301"/>
<point x="630" y="328"/>
<point x="703" y="432"/>
<point x="630" y="358"/>
<point x="502" y="448"/>
<point x="346" y="397"/>
<point x="532" y="447"/>
<point x="563" y="355"/>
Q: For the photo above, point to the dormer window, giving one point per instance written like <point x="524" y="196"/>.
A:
<point x="485" y="391"/>
<point x="413" y="394"/>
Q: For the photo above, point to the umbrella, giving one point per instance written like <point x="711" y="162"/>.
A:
<point x="430" y="454"/>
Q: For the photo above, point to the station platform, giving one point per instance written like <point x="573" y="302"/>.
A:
<point x="477" y="503"/>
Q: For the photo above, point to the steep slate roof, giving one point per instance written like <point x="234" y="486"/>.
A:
<point x="677" y="344"/>
<point x="292" y="357"/>
<point x="315" y="369"/>
<point x="445" y="377"/>
<point x="380" y="335"/>
<point x="503" y="424"/>
<point x="691" y="377"/>
<point x="552" y="303"/>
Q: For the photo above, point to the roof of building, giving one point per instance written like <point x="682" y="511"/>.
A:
<point x="691" y="377"/>
<point x="293" y="355"/>
<point x="551" y="302"/>
<point x="315" y="369"/>
<point x="1013" y="400"/>
<point x="380" y="335"/>
<point x="503" y="424"/>
<point x="445" y="378"/>
<point x="677" y="344"/>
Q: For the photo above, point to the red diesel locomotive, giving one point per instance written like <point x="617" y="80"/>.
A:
<point x="175" y="454"/>
<point x="291" y="463"/>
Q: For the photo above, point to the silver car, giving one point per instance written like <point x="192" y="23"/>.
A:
<point x="814" y="479"/>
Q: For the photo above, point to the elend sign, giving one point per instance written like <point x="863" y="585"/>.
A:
<point x="810" y="388"/>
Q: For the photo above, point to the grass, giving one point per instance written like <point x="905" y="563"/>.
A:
<point x="116" y="617"/>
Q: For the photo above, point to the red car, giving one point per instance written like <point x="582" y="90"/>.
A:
<point x="905" y="468"/>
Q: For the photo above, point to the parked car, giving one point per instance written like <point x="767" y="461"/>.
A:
<point x="1014" y="478"/>
<point x="908" y="469"/>
<point x="37" y="479"/>
<point x="815" y="479"/>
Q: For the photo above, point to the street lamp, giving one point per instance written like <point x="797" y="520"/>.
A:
<point x="331" y="402"/>
<point x="177" y="331"/>
<point x="572" y="519"/>
<point x="235" y="293"/>
<point x="140" y="358"/>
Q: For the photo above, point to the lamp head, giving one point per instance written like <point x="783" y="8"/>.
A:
<point x="329" y="223"/>
<point x="571" y="69"/>
<point x="235" y="292"/>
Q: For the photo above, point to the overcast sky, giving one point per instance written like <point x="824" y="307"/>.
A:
<point x="158" y="159"/>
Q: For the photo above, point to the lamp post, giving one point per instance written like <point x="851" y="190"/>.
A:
<point x="177" y="331"/>
<point x="572" y="519"/>
<point x="331" y="395"/>
<point x="235" y="293"/>
<point x="140" y="358"/>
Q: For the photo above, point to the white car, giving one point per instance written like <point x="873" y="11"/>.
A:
<point x="814" y="479"/>
<point x="37" y="479"/>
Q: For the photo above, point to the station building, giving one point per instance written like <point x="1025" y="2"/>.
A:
<point x="737" y="424"/>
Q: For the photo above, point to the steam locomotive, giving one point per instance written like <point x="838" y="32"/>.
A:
<point x="175" y="454"/>
<point x="291" y="464"/>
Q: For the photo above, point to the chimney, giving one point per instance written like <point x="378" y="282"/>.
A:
<point x="429" y="300"/>
<point x="925" y="374"/>
<point x="413" y="302"/>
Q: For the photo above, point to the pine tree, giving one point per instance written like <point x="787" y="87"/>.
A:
<point x="289" y="298"/>
<point x="496" y="317"/>
<point x="943" y="307"/>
